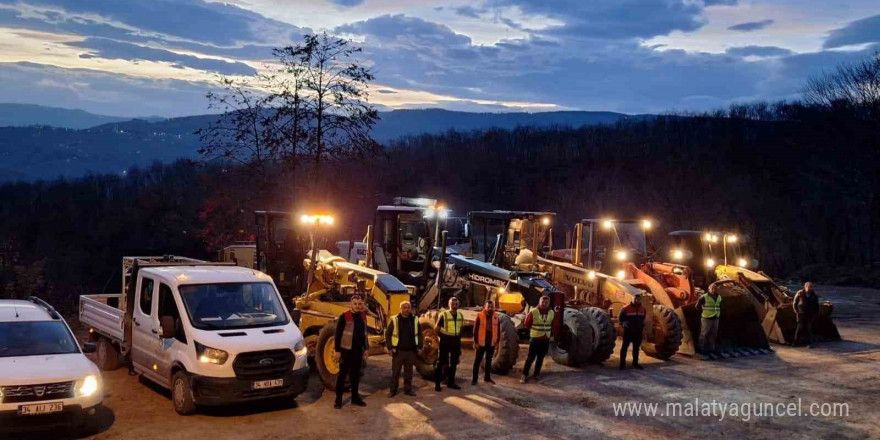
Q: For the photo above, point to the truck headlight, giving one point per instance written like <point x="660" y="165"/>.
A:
<point x="88" y="386"/>
<point x="210" y="355"/>
<point x="300" y="348"/>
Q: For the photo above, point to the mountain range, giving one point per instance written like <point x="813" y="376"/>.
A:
<point x="44" y="142"/>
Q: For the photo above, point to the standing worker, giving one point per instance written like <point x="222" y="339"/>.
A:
<point x="403" y="340"/>
<point x="449" y="328"/>
<point x="806" y="307"/>
<point x="632" y="318"/>
<point x="710" y="307"/>
<point x="351" y="349"/>
<point x="539" y="322"/>
<point x="487" y="330"/>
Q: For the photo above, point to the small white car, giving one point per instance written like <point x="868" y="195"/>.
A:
<point x="45" y="379"/>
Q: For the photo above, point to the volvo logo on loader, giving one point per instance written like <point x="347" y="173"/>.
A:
<point x="486" y="280"/>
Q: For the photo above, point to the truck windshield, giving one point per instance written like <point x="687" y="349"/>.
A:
<point x="35" y="338"/>
<point x="232" y="305"/>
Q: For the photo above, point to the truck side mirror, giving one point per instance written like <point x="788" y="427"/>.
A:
<point x="89" y="348"/>
<point x="167" y="324"/>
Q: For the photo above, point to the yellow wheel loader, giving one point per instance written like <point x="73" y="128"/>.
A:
<point x="597" y="274"/>
<point x="773" y="303"/>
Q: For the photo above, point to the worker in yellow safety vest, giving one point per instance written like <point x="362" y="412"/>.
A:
<point x="403" y="340"/>
<point x="448" y="326"/>
<point x="540" y="323"/>
<point x="710" y="307"/>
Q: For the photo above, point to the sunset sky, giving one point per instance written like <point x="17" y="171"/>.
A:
<point x="160" y="57"/>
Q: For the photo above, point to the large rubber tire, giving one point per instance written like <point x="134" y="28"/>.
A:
<point x="574" y="345"/>
<point x="667" y="335"/>
<point x="507" y="351"/>
<point x="327" y="367"/>
<point x="430" y="349"/>
<point x="181" y="394"/>
<point x="604" y="334"/>
<point x="106" y="355"/>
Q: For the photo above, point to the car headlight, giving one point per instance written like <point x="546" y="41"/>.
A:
<point x="300" y="348"/>
<point x="210" y="355"/>
<point x="88" y="386"/>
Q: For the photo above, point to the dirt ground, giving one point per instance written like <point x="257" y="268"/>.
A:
<point x="567" y="403"/>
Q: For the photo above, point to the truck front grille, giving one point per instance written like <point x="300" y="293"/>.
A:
<point x="256" y="365"/>
<point x="38" y="393"/>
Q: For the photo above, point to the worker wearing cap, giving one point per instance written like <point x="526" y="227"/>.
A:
<point x="448" y="326"/>
<point x="351" y="349"/>
<point x="710" y="307"/>
<point x="632" y="319"/>
<point x="540" y="323"/>
<point x="403" y="341"/>
<point x="487" y="332"/>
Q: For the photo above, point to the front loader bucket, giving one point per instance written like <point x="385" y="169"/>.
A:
<point x="780" y="324"/>
<point x="739" y="331"/>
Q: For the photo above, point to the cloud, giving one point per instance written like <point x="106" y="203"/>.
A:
<point x="613" y="19"/>
<point x="347" y="3"/>
<point x="866" y="30"/>
<point x="110" y="49"/>
<point x="758" y="51"/>
<point x="468" y="11"/>
<point x="751" y="26"/>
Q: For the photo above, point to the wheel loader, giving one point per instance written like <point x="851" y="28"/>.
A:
<point x="773" y="302"/>
<point x="679" y="284"/>
<point x="408" y="239"/>
<point x="510" y="240"/>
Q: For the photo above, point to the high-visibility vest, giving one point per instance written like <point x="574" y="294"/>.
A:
<point x="712" y="307"/>
<point x="493" y="323"/>
<point x="452" y="326"/>
<point x="395" y="335"/>
<point x="541" y="325"/>
<point x="348" y="331"/>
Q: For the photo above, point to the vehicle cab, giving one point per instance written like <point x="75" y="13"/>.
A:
<point x="45" y="377"/>
<point x="215" y="335"/>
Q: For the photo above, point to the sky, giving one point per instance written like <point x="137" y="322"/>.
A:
<point x="160" y="57"/>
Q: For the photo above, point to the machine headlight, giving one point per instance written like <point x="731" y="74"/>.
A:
<point x="646" y="224"/>
<point x="731" y="238"/>
<point x="621" y="274"/>
<point x="210" y="355"/>
<point x="710" y="263"/>
<point x="607" y="224"/>
<point x="742" y="262"/>
<point x="678" y="255"/>
<point x="591" y="275"/>
<point x="88" y="386"/>
<point x="300" y="348"/>
<point x="621" y="255"/>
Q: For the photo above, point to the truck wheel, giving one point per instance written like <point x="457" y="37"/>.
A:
<point x="666" y="334"/>
<point x="328" y="368"/>
<point x="106" y="355"/>
<point x="181" y="394"/>
<point x="430" y="349"/>
<point x="604" y="334"/>
<point x="507" y="351"/>
<point x="574" y="345"/>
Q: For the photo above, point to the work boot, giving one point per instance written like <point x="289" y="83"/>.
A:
<point x="474" y="382"/>
<point x="489" y="380"/>
<point x="453" y="386"/>
<point x="392" y="393"/>
<point x="358" y="402"/>
<point x="437" y="387"/>
<point x="536" y="377"/>
<point x="523" y="379"/>
<point x="337" y="405"/>
<point x="410" y="393"/>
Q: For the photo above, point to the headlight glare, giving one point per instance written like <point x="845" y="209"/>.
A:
<point x="210" y="355"/>
<point x="88" y="387"/>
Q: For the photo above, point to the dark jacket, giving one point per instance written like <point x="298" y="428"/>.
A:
<point x="806" y="303"/>
<point x="632" y="318"/>
<point x="359" y="333"/>
<point x="407" y="340"/>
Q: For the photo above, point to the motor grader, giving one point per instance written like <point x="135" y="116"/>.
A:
<point x="773" y="303"/>
<point x="681" y="282"/>
<point x="408" y="239"/>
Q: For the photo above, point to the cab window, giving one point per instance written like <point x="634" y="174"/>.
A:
<point x="146" y="296"/>
<point x="168" y="307"/>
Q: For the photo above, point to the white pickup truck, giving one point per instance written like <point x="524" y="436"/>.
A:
<point x="212" y="333"/>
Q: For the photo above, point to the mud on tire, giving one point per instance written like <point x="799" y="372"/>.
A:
<point x="666" y="334"/>
<point x="604" y="334"/>
<point x="574" y="345"/>
<point x="427" y="357"/>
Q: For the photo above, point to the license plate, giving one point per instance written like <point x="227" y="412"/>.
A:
<point x="274" y="383"/>
<point x="41" y="408"/>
